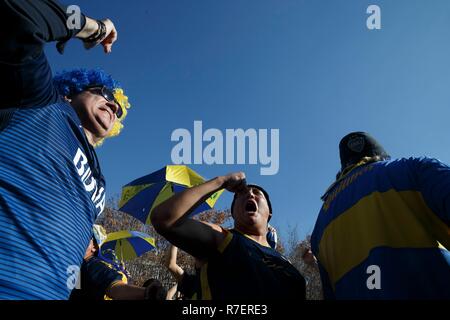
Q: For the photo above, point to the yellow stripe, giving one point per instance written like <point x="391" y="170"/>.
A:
<point x="124" y="277"/>
<point x="124" y="250"/>
<point x="211" y="201"/>
<point x="117" y="235"/>
<point x="150" y="241"/>
<point x="225" y="242"/>
<point x="206" y="291"/>
<point x="393" y="219"/>
<point x="441" y="246"/>
<point x="248" y="237"/>
<point x="164" y="194"/>
<point x="183" y="175"/>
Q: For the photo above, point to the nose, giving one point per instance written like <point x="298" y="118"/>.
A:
<point x="113" y="106"/>
<point x="250" y="193"/>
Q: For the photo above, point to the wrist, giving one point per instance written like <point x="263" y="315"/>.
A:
<point x="98" y="35"/>
<point x="91" y="27"/>
<point x="220" y="181"/>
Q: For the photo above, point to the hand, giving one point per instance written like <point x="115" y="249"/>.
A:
<point x="108" y="40"/>
<point x="111" y="36"/>
<point x="234" y="182"/>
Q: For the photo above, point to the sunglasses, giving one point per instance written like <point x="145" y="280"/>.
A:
<point x="108" y="95"/>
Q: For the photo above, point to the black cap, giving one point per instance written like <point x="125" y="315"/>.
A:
<point x="266" y="195"/>
<point x="357" y="145"/>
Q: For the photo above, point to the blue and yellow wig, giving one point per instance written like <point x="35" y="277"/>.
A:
<point x="74" y="81"/>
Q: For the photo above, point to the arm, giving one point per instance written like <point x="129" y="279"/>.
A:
<point x="104" y="279"/>
<point x="171" y="220"/>
<point x="433" y="180"/>
<point x="172" y="292"/>
<point x="171" y="263"/>
<point x="25" y="27"/>
<point x="119" y="290"/>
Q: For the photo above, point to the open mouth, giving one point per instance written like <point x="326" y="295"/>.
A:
<point x="251" y="206"/>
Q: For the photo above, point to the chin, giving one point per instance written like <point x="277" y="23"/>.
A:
<point x="252" y="222"/>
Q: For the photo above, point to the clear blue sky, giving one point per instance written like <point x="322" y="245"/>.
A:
<point x="310" y="68"/>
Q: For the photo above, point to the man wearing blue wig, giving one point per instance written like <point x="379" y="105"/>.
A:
<point x="51" y="185"/>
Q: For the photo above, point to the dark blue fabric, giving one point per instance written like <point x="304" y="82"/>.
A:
<point x="96" y="277"/>
<point x="51" y="186"/>
<point x="25" y="27"/>
<point x="247" y="270"/>
<point x="51" y="192"/>
<point x="140" y="204"/>
<point x="189" y="285"/>
<point x="405" y="274"/>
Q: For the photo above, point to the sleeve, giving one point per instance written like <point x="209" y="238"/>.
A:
<point x="224" y="244"/>
<point x="433" y="181"/>
<point x="101" y="276"/>
<point x="25" y="27"/>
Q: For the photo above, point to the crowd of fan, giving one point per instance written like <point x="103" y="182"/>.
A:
<point x="151" y="264"/>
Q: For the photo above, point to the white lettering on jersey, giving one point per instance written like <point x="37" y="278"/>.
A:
<point x="90" y="184"/>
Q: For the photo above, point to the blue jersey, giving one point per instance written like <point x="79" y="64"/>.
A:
<point x="51" y="191"/>
<point x="382" y="232"/>
<point x="243" y="269"/>
<point x="97" y="276"/>
<point x="51" y="187"/>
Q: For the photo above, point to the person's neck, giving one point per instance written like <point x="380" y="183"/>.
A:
<point x="90" y="137"/>
<point x="255" y="234"/>
<point x="87" y="258"/>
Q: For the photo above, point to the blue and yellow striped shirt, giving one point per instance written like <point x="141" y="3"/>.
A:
<point x="389" y="221"/>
